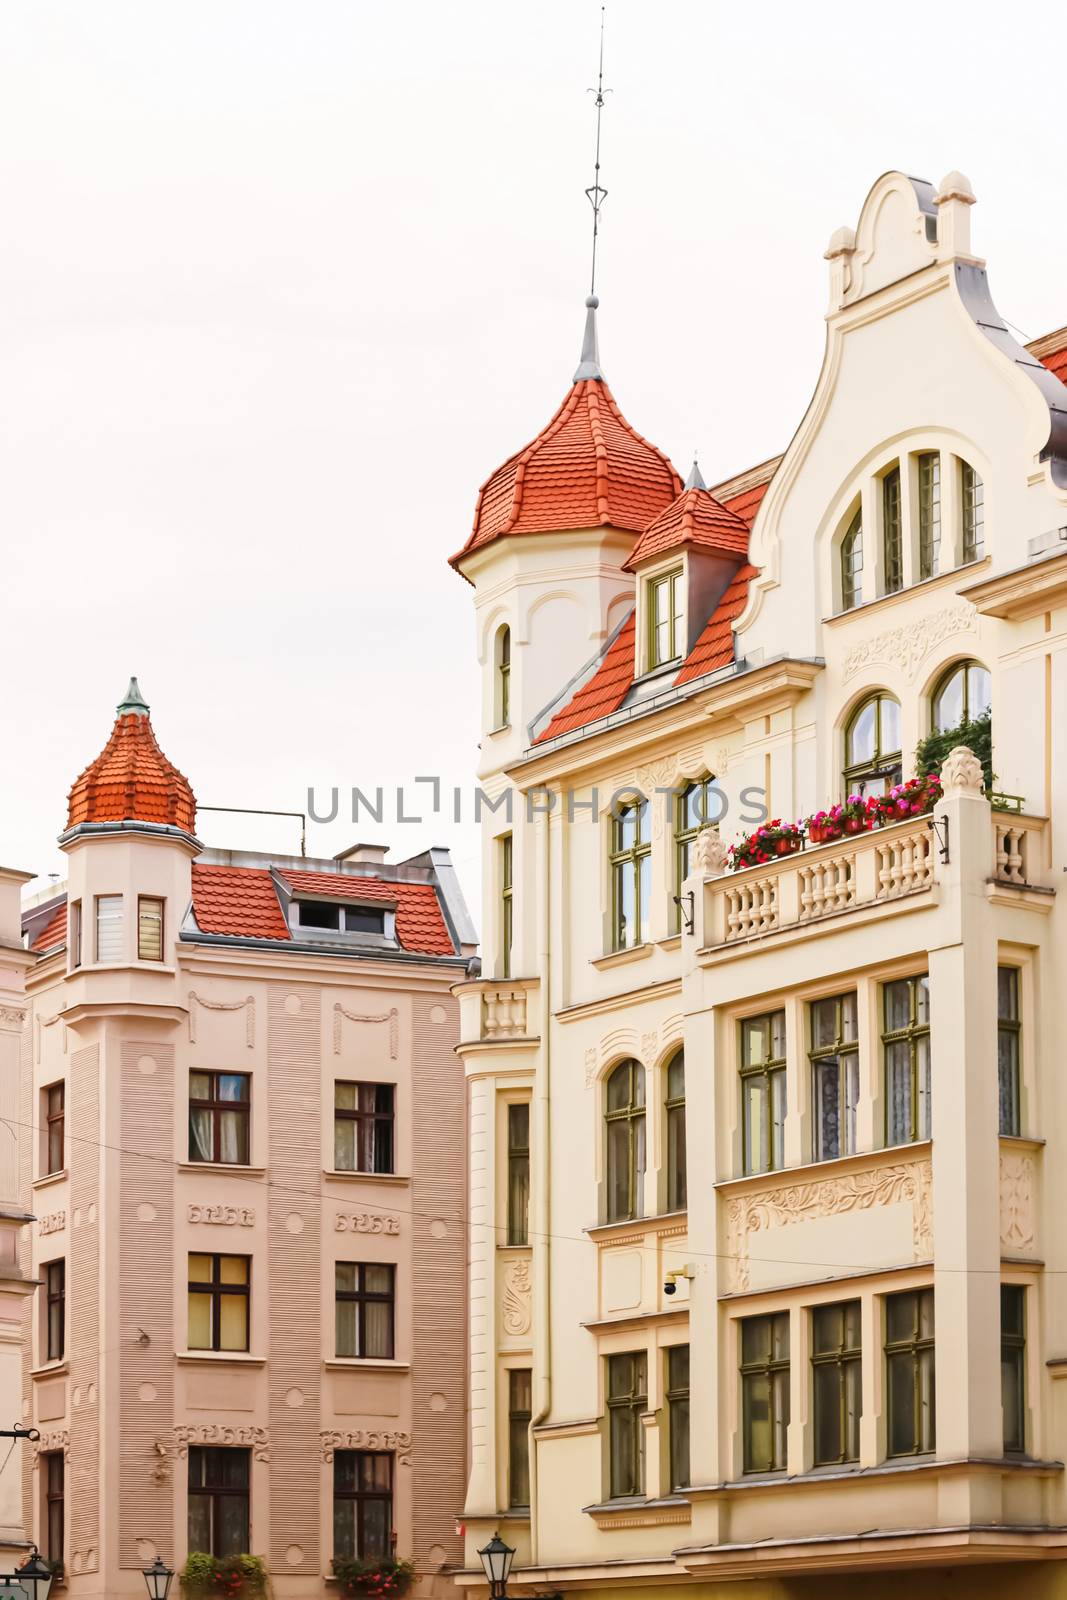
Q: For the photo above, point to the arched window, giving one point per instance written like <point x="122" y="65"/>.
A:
<point x="962" y="695"/>
<point x="852" y="564"/>
<point x="676" y="1185"/>
<point x="503" y="677"/>
<point x="872" y="746"/>
<point x="695" y="806"/>
<point x="625" y="1119"/>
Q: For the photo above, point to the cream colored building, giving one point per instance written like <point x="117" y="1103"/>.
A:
<point x="249" y="1195"/>
<point x="785" y="1303"/>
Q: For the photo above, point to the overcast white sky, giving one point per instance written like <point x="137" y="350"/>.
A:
<point x="280" y="283"/>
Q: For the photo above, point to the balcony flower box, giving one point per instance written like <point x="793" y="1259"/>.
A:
<point x="769" y="841"/>
<point x="382" y="1579"/>
<point x="207" y="1577"/>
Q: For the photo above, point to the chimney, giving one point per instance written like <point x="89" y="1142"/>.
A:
<point x="364" y="855"/>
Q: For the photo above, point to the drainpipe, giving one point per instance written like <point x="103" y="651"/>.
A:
<point x="542" y="1217"/>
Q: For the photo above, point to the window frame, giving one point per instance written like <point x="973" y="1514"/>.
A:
<point x="215" y="1491"/>
<point x="55" y="1301"/>
<point x="143" y="902"/>
<point x="517" y="1227"/>
<point x="1013" y="1351"/>
<point x="818" y="1055"/>
<point x="972" y="513"/>
<point x="1010" y="1028"/>
<point x="676" y="1398"/>
<point x="685" y="833"/>
<point x="216" y="1107"/>
<point x="676" y="1165"/>
<point x="520" y="1415"/>
<point x="359" y="1498"/>
<point x="216" y="1290"/>
<point x="965" y="666"/>
<point x="625" y="1407"/>
<point x="503" y="677"/>
<point x="770" y="1069"/>
<point x="912" y="1034"/>
<point x="74" y="937"/>
<point x="928" y="480"/>
<point x="55" y="1127"/>
<point x="507" y="902"/>
<point x="117" y="918"/>
<point x="367" y="1121"/>
<point x="54" y="1509"/>
<point x="850" y="570"/>
<point x="846" y="1358"/>
<point x="892" y="531"/>
<point x="768" y="1370"/>
<point x="634" y="1114"/>
<point x="914" y="1349"/>
<point x="669" y="583"/>
<point x="635" y="858"/>
<point x="362" y="1298"/>
<point x="882" y="764"/>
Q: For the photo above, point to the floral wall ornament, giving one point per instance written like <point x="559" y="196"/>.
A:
<point x="56" y="1439"/>
<point x="226" y="1216"/>
<point x="1017" y="1232"/>
<point x="365" y="1222"/>
<point x="590" y="1067"/>
<point x="907" y="647"/>
<point x="391" y="1017"/>
<point x="247" y="1005"/>
<point x="255" y="1439"/>
<point x="517" y="1312"/>
<point x="366" y="1439"/>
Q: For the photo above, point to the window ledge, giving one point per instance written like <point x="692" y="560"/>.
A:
<point x="662" y="1222"/>
<point x="673" y="941"/>
<point x="918" y="1150"/>
<point x="51" y="1369"/>
<point x="893" y="1466"/>
<point x="50" y="1178"/>
<point x="940" y="580"/>
<point x="620" y="958"/>
<point x="219" y="1358"/>
<point x="363" y="1364"/>
<point x="333" y="1173"/>
<point x="225" y="1169"/>
<point x="638" y="1512"/>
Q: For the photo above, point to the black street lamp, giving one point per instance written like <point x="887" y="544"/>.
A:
<point x="496" y="1558"/>
<point x="33" y="1576"/>
<point x="158" y="1578"/>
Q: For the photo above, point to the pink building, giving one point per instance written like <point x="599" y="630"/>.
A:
<point x="248" y="1185"/>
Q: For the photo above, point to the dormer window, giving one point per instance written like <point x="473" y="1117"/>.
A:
<point x="327" y="916"/>
<point x="664" y="618"/>
<point x="852" y="564"/>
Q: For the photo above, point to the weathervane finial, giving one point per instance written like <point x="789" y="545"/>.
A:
<point x="596" y="193"/>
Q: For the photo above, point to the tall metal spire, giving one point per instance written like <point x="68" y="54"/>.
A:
<point x="596" y="194"/>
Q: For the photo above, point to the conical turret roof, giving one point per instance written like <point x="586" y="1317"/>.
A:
<point x="131" y="779"/>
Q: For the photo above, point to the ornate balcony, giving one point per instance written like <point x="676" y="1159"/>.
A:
<point x="497" y="1010"/>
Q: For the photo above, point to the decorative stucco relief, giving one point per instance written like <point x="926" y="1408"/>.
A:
<point x="803" y="1202"/>
<point x="160" y="1472"/>
<point x="517" y="1311"/>
<point x="366" y="1439"/>
<point x="365" y="1222"/>
<point x="56" y="1439"/>
<point x="391" y="1017"/>
<point x="227" y="1216"/>
<point x="247" y="1005"/>
<point x="908" y="646"/>
<point x="52" y="1222"/>
<point x="255" y="1439"/>
<point x="590" y="1067"/>
<point x="11" y="1017"/>
<point x="1017" y="1227"/>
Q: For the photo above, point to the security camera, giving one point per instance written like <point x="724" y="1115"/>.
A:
<point x="670" y="1287"/>
<point x="670" y="1282"/>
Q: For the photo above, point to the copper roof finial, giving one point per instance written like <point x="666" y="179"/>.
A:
<point x="134" y="702"/>
<point x="695" y="479"/>
<point x="589" y="365"/>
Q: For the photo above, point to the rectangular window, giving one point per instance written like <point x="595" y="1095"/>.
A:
<point x="219" y="1115"/>
<point x="835" y="1378"/>
<point x="1013" y="1366"/>
<point x="520" y="1410"/>
<point x="763" y="1092"/>
<point x="835" y="1072"/>
<point x="906" y="1053"/>
<point x="765" y="1391"/>
<point x="149" y="928"/>
<point x="518" y="1173"/>
<point x="218" y="1501"/>
<point x="55" y="1288"/>
<point x="627" y="1403"/>
<point x="54" y="1504"/>
<point x="1008" y="1049"/>
<point x="218" y="1302"/>
<point x="364" y="1117"/>
<point x="909" y="1364"/>
<point x="365" y="1309"/>
<point x="55" y="1117"/>
<point x="677" y="1185"/>
<point x="929" y="514"/>
<point x="678" y="1414"/>
<point x="892" y="545"/>
<point x="664" y="619"/>
<point x="362" y="1504"/>
<point x="109" y="945"/>
<point x="506" y="906"/>
<point x="75" y="937"/>
<point x="631" y="874"/>
<point x="328" y="917"/>
<point x="972" y="493"/>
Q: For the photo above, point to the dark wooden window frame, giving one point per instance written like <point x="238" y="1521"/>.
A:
<point x="362" y="1297"/>
<point x="55" y="1281"/>
<point x="368" y="1119"/>
<point x="216" y="1290"/>
<point x="55" y="1098"/>
<point x="216" y="1491"/>
<point x="217" y="1106"/>
<point x="361" y="1497"/>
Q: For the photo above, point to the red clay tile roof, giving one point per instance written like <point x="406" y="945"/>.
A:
<point x="587" y="469"/>
<point x="420" y="927"/>
<point x="240" y="901"/>
<point x="54" y="932"/>
<point x="1056" y="360"/>
<point x="132" y="780"/>
<point x="612" y="680"/>
<point x="243" y="903"/>
<point x="695" y="518"/>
